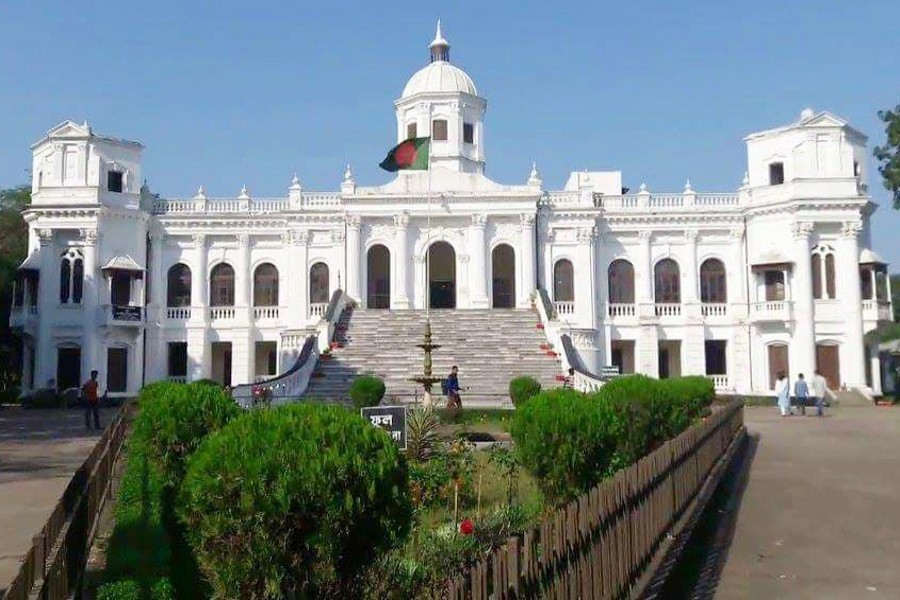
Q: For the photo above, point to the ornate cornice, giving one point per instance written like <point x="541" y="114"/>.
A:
<point x="527" y="219"/>
<point x="850" y="229"/>
<point x="586" y="234"/>
<point x="479" y="220"/>
<point x="89" y="236"/>
<point x="401" y="220"/>
<point x="801" y="229"/>
<point x="45" y="236"/>
<point x="243" y="240"/>
<point x="354" y="221"/>
<point x="198" y="240"/>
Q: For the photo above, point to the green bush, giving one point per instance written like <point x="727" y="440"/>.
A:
<point x="366" y="390"/>
<point x="174" y="419"/>
<point x="570" y="441"/>
<point x="522" y="389"/>
<point x="161" y="589"/>
<point x="296" y="499"/>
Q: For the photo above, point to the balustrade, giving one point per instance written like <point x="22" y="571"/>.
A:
<point x="265" y="313"/>
<point x="615" y="309"/>
<point x="318" y="309"/>
<point x="177" y="378"/>
<point x="178" y="313"/>
<point x="720" y="382"/>
<point x="714" y="309"/>
<point x="667" y="310"/>
<point x="877" y="310"/>
<point x="770" y="310"/>
<point x="220" y="313"/>
<point x="565" y="308"/>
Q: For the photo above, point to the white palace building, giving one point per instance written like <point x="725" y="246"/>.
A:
<point x="777" y="275"/>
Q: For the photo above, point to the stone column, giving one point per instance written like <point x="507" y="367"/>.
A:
<point x="242" y="281"/>
<point x="585" y="288"/>
<point x="647" y="351"/>
<point x="645" y="268"/>
<point x="853" y="367"/>
<point x="47" y="299"/>
<point x="802" y="357"/>
<point x="297" y="301"/>
<point x="693" y="346"/>
<point x="400" y="289"/>
<point x="156" y="310"/>
<point x="199" y="348"/>
<point x="690" y="280"/>
<point x="526" y="262"/>
<point x="353" y="257"/>
<point x="477" y="251"/>
<point x="90" y="308"/>
<point x="157" y="271"/>
<point x="737" y="269"/>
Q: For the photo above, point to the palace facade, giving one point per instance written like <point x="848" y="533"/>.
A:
<point x="779" y="274"/>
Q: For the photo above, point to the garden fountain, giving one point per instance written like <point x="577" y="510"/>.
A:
<point x="427" y="379"/>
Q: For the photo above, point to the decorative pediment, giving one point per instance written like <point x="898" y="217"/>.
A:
<point x="70" y="129"/>
<point x="826" y="119"/>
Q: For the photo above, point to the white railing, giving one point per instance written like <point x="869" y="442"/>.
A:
<point x="720" y="382"/>
<point x="564" y="308"/>
<point x="585" y="383"/>
<point x="265" y="313"/>
<point x="177" y="378"/>
<point x="714" y="309"/>
<point x="564" y="198"/>
<point x="667" y="309"/>
<point x="308" y="201"/>
<point x="178" y="313"/>
<point x="774" y="310"/>
<point x="877" y="310"/>
<point x="317" y="309"/>
<point x="221" y="312"/>
<point x="321" y="200"/>
<point x="666" y="201"/>
<point x="713" y="199"/>
<point x="616" y="309"/>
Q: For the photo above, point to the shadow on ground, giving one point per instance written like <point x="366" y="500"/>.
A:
<point x="699" y="568"/>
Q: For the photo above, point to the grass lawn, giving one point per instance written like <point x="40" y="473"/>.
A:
<point x="495" y="421"/>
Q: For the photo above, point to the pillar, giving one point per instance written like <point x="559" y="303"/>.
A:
<point x="198" y="346"/>
<point x="802" y="358"/>
<point x="693" y="345"/>
<point x="297" y="301"/>
<point x="156" y="311"/>
<point x="353" y="258"/>
<point x="400" y="289"/>
<point x="242" y="281"/>
<point x="526" y="261"/>
<point x="47" y="299"/>
<point x="90" y="358"/>
<point x="645" y="268"/>
<point x="689" y="288"/>
<point x="585" y="290"/>
<point x="647" y="346"/>
<point x="853" y="366"/>
<point x="477" y="251"/>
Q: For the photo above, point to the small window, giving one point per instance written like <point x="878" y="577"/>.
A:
<point x="774" y="281"/>
<point x="411" y="131"/>
<point x="776" y="173"/>
<point x="468" y="133"/>
<point x="114" y="181"/>
<point x="439" y="130"/>
<point x="856" y="168"/>
<point x="178" y="359"/>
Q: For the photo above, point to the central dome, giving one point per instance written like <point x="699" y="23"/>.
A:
<point x="440" y="76"/>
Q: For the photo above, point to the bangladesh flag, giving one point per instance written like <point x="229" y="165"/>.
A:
<point x="411" y="155"/>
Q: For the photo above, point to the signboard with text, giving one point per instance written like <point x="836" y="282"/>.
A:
<point x="390" y="418"/>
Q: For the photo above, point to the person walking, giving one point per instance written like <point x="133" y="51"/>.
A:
<point x="569" y="383"/>
<point x="90" y="395"/>
<point x="801" y="393"/>
<point x="453" y="399"/>
<point x="817" y="385"/>
<point x="783" y="389"/>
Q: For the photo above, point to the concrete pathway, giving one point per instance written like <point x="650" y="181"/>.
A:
<point x="811" y="512"/>
<point x="39" y="452"/>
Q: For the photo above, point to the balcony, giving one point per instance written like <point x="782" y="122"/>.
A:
<point x="221" y="313"/>
<point x="720" y="382"/>
<point x="266" y="313"/>
<point x="23" y="316"/>
<point x="667" y="309"/>
<point x="877" y="310"/>
<point x="178" y="313"/>
<point x="123" y="315"/>
<point x="318" y="309"/>
<point x="714" y="309"/>
<point x="771" y="310"/>
<point x="615" y="309"/>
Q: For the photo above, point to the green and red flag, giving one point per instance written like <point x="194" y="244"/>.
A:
<point x="408" y="155"/>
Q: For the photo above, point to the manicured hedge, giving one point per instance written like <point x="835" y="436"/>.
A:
<point x="175" y="418"/>
<point x="295" y="499"/>
<point x="522" y="389"/>
<point x="366" y="390"/>
<point x="570" y="441"/>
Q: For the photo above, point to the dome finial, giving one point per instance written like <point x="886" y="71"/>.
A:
<point x="439" y="47"/>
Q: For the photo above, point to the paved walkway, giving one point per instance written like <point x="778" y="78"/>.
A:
<point x="39" y="452"/>
<point x="815" y="516"/>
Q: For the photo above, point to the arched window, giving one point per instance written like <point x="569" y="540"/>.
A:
<point x="563" y="281"/>
<point x="318" y="284"/>
<point x="71" y="277"/>
<point x="621" y="282"/>
<point x="178" y="286"/>
<point x="265" y="285"/>
<point x="822" y="266"/>
<point x="713" y="285"/>
<point x="668" y="282"/>
<point x="221" y="285"/>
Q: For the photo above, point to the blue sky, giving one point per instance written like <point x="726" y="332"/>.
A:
<point x="232" y="92"/>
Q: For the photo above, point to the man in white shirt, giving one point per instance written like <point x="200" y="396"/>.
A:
<point x="817" y="391"/>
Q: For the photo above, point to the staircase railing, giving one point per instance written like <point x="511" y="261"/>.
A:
<point x="291" y="384"/>
<point x="585" y="381"/>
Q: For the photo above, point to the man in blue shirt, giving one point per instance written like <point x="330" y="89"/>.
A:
<point x="453" y="399"/>
<point x="801" y="392"/>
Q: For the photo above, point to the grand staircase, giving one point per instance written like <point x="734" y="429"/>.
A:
<point x="490" y="347"/>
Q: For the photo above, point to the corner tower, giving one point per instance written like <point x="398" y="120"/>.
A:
<point x="440" y="100"/>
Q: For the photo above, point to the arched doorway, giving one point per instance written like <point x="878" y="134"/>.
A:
<point x="503" y="274"/>
<point x="442" y="275"/>
<point x="378" y="277"/>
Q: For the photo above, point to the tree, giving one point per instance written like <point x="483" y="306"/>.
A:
<point x="889" y="154"/>
<point x="13" y="248"/>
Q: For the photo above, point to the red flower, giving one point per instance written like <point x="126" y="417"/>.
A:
<point x="467" y="527"/>
<point x="540" y="325"/>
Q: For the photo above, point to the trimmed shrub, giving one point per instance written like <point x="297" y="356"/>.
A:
<point x="563" y="440"/>
<point x="161" y="589"/>
<point x="522" y="389"/>
<point x="174" y="419"/>
<point x="296" y="499"/>
<point x="366" y="390"/>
